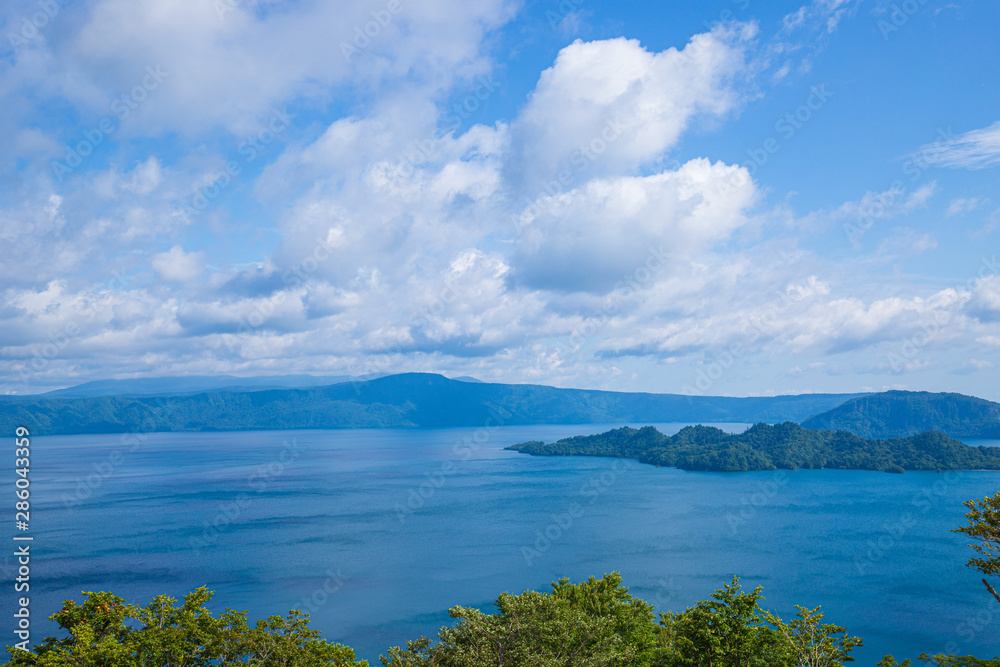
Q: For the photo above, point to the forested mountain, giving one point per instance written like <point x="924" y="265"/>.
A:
<point x="766" y="447"/>
<point x="901" y="413"/>
<point x="398" y="401"/>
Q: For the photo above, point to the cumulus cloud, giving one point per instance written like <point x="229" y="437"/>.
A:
<point x="178" y="266"/>
<point x="227" y="64"/>
<point x="551" y="245"/>
<point x="591" y="237"/>
<point x="610" y="106"/>
<point x="985" y="302"/>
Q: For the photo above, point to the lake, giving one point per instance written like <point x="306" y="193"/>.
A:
<point x="377" y="532"/>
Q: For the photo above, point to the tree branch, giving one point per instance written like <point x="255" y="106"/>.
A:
<point x="990" y="589"/>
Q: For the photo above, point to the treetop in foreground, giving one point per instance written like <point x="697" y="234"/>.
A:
<point x="594" y="623"/>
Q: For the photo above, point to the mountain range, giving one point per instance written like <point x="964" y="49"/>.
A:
<point x="427" y="400"/>
<point x="410" y="400"/>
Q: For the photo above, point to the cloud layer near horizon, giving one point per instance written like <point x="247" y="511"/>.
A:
<point x="553" y="246"/>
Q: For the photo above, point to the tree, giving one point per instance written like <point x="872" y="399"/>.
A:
<point x="730" y="629"/>
<point x="595" y="623"/>
<point x="813" y="643"/>
<point x="984" y="527"/>
<point x="105" y="631"/>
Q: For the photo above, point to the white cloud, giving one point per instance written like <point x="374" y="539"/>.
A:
<point x="593" y="236"/>
<point x="906" y="241"/>
<point x="977" y="149"/>
<point x="397" y="243"/>
<point x="973" y="366"/>
<point x="178" y="266"/>
<point x="146" y="177"/>
<point x="985" y="302"/>
<point x="826" y="14"/>
<point x="962" y="205"/>
<point x="229" y="68"/>
<point x="610" y="106"/>
<point x="858" y="216"/>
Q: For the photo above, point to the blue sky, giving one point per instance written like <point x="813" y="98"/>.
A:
<point x="727" y="197"/>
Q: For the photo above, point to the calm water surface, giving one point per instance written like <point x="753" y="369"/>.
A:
<point x="377" y="532"/>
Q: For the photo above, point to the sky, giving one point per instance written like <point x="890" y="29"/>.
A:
<point x="727" y="197"/>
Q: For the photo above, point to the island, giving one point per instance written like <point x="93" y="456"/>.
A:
<point x="769" y="447"/>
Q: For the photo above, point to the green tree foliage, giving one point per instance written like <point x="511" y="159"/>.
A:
<point x="728" y="629"/>
<point x="768" y="447"/>
<point x="984" y="528"/>
<point x="105" y="631"/>
<point x="813" y="643"/>
<point x="595" y="623"/>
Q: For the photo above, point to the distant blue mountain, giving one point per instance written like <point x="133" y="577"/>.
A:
<point x="897" y="414"/>
<point x="409" y="400"/>
<point x="194" y="384"/>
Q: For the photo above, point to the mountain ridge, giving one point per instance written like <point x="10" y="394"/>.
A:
<point x="408" y="400"/>
<point x="898" y="413"/>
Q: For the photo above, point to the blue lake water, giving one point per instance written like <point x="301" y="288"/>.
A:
<point x="377" y="532"/>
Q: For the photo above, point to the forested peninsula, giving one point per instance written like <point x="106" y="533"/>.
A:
<point x="769" y="447"/>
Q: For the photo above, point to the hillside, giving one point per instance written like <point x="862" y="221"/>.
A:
<point x="900" y="413"/>
<point x="192" y="384"/>
<point x="400" y="401"/>
<point x="766" y="447"/>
